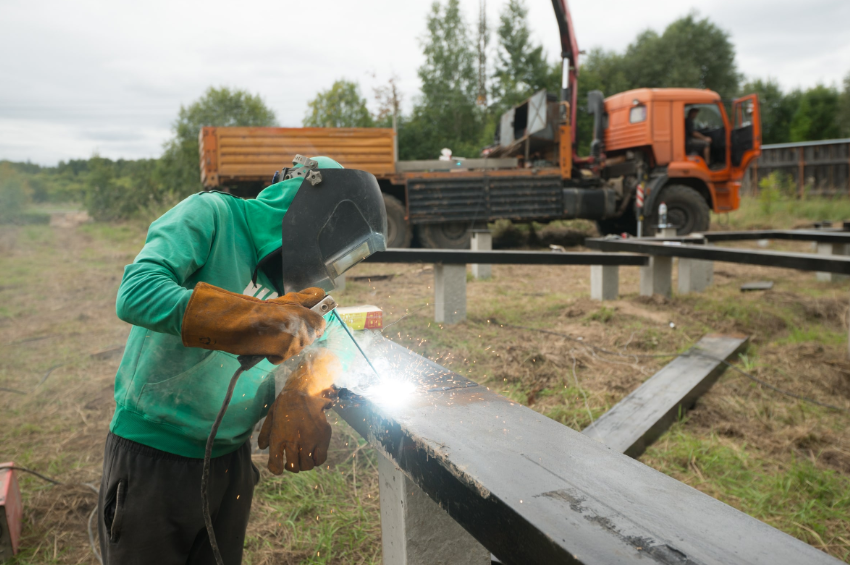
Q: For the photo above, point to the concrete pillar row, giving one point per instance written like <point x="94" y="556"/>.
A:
<point x="481" y="241"/>
<point x="657" y="277"/>
<point x="695" y="275"/>
<point x="831" y="249"/>
<point x="604" y="282"/>
<point x="449" y="293"/>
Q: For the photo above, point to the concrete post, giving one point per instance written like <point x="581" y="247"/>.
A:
<point x="831" y="249"/>
<point x="667" y="232"/>
<point x="694" y="275"/>
<point x="449" y="293"/>
<point x="604" y="282"/>
<point x="339" y="283"/>
<point x="657" y="277"/>
<point x="415" y="530"/>
<point x="482" y="240"/>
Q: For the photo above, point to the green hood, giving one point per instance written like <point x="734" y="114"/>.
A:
<point x="265" y="213"/>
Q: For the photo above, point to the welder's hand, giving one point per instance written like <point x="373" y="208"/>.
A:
<point x="296" y="424"/>
<point x="277" y="329"/>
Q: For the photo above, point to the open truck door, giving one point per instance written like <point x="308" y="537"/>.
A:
<point x="746" y="131"/>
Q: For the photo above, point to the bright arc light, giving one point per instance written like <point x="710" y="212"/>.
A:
<point x="388" y="393"/>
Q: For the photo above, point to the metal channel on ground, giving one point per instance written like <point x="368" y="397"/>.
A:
<point x="464" y="257"/>
<point x="785" y="260"/>
<point x="534" y="491"/>
<point x="642" y="416"/>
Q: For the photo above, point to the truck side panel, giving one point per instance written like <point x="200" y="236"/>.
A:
<point x="662" y="132"/>
<point x="449" y="198"/>
<point x="622" y="133"/>
<point x="253" y="154"/>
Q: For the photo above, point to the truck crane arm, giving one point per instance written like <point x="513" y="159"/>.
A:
<point x="569" y="57"/>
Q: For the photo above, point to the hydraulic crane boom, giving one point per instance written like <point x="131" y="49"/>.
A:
<point x="569" y="56"/>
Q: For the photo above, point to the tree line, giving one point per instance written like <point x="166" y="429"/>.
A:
<point x="692" y="52"/>
<point x="470" y="76"/>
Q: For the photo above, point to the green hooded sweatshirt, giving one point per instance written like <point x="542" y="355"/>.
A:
<point x="168" y="395"/>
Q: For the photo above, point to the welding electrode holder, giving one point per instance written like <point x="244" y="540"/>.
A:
<point x="327" y="305"/>
<point x="246" y="362"/>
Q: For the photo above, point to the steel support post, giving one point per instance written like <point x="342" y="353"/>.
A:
<point x="481" y="241"/>
<point x="695" y="275"/>
<point x="604" y="282"/>
<point x="831" y="249"/>
<point x="449" y="293"/>
<point x="657" y="277"/>
<point x="415" y="530"/>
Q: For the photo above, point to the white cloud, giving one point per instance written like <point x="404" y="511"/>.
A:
<point x="110" y="76"/>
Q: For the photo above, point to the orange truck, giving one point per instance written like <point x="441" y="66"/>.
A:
<point x="641" y="155"/>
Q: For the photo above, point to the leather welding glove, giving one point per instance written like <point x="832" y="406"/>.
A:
<point x="278" y="329"/>
<point x="296" y="424"/>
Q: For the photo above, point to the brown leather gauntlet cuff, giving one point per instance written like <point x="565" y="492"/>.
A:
<point x="225" y="321"/>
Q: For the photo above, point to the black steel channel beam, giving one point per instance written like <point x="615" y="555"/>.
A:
<point x="785" y="260"/>
<point x="532" y="490"/>
<point x="820" y="236"/>
<point x="641" y="417"/>
<point x="464" y="257"/>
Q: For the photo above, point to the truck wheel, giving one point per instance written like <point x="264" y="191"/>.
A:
<point x="399" y="232"/>
<point x="686" y="209"/>
<point x="450" y="235"/>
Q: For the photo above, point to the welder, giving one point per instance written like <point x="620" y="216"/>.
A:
<point x="221" y="277"/>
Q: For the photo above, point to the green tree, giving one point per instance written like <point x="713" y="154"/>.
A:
<point x="817" y="115"/>
<point x="777" y="109"/>
<point x="118" y="190"/>
<point x="844" y="108"/>
<point x="521" y="66"/>
<point x="601" y="70"/>
<point x="445" y="115"/>
<point x="691" y="53"/>
<point x="340" y="106"/>
<point x="14" y="192"/>
<point x="178" y="168"/>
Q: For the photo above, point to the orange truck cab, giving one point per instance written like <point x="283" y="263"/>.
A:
<point x="649" y="125"/>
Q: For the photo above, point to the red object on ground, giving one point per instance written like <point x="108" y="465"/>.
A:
<point x="11" y="511"/>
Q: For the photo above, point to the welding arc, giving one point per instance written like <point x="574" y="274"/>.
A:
<point x="348" y="331"/>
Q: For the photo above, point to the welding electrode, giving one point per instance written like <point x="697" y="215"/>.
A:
<point x="348" y="331"/>
<point x="246" y="362"/>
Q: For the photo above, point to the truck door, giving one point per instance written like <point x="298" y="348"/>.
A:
<point x="746" y="131"/>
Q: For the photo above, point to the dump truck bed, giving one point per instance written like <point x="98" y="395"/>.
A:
<point x="247" y="155"/>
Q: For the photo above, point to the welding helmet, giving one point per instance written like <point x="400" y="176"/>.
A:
<point x="336" y="220"/>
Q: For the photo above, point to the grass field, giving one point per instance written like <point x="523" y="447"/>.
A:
<point x="782" y="460"/>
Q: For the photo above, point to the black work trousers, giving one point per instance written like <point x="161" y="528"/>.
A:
<point x="149" y="507"/>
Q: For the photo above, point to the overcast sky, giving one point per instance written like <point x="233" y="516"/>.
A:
<point x="85" y="76"/>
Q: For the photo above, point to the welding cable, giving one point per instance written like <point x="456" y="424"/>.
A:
<point x="246" y="362"/>
<point x="55" y="482"/>
<point x="31" y="472"/>
<point x="692" y="352"/>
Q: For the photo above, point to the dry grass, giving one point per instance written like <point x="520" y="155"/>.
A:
<point x="782" y="460"/>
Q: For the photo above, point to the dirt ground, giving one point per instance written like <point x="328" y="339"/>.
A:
<point x="783" y="460"/>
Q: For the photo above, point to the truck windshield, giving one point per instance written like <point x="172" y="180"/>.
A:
<point x="708" y="116"/>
